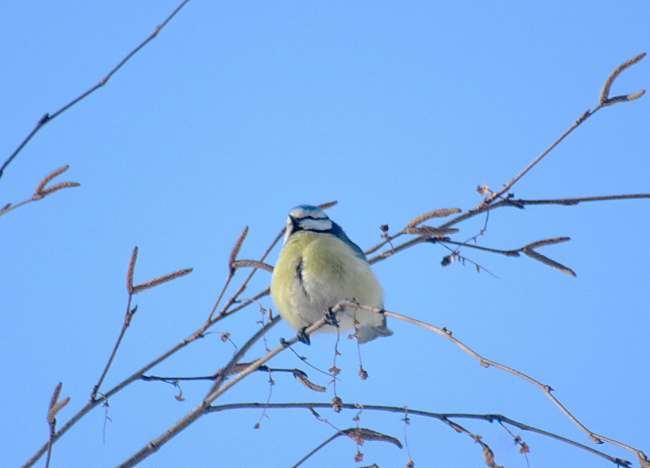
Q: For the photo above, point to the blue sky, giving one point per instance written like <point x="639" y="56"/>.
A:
<point x="237" y="112"/>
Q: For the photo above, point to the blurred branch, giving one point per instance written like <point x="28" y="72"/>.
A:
<point x="527" y="249"/>
<point x="235" y="371"/>
<point x="218" y="389"/>
<point x="487" y="362"/>
<point x="568" y="201"/>
<point x="505" y="202"/>
<point x="443" y="417"/>
<point x="128" y="315"/>
<point x="233" y="265"/>
<point x="299" y="375"/>
<point x="604" y="99"/>
<point x="41" y="191"/>
<point x="438" y="234"/>
<point x="48" y="117"/>
<point x="215" y="392"/>
<point x="54" y="407"/>
<point x="489" y="202"/>
<point x="359" y="435"/>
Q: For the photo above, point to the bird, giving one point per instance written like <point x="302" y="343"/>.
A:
<point x="318" y="267"/>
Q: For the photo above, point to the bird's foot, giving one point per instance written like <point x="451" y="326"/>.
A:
<point x="330" y="318"/>
<point x="303" y="337"/>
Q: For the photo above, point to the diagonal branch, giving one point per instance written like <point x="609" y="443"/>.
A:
<point x="604" y="101"/>
<point x="489" y="202"/>
<point x="41" y="191"/>
<point x="48" y="117"/>
<point x="487" y="362"/>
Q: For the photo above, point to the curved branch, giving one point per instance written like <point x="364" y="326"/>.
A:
<point x="358" y="434"/>
<point x="429" y="414"/>
<point x="488" y="362"/>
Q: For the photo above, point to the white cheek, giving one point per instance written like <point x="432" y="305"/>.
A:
<point x="316" y="224"/>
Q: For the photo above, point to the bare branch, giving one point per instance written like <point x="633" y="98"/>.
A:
<point x="358" y="434"/>
<point x="542" y="242"/>
<point x="570" y="201"/>
<point x="93" y="402"/>
<point x="251" y="263"/>
<point x="547" y="261"/>
<point x="53" y="408"/>
<point x="443" y="417"/>
<point x="56" y="405"/>
<point x="128" y="314"/>
<point x="604" y="101"/>
<point x="326" y="205"/>
<point x="243" y="369"/>
<point x="129" y="270"/>
<point x="599" y="439"/>
<point x="302" y="378"/>
<point x="214" y="393"/>
<point x="231" y="272"/>
<point x="604" y="92"/>
<point x="439" y="213"/>
<point x="226" y="308"/>
<point x="40" y="191"/>
<point x="125" y="324"/>
<point x="236" y="248"/>
<point x="518" y="203"/>
<point x="161" y="279"/>
<point x="430" y="231"/>
<point x="362" y="434"/>
<point x="47" y="117"/>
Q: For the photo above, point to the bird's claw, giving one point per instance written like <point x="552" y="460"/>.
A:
<point x="303" y="337"/>
<point x="330" y="318"/>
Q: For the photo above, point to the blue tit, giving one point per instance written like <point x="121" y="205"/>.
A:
<point x="318" y="267"/>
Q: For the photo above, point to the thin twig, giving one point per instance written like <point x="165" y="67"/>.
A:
<point x="125" y="323"/>
<point x="90" y="405"/>
<point x="316" y="449"/>
<point x="604" y="92"/>
<point x="358" y="434"/>
<point x="252" y="263"/>
<point x="225" y="311"/>
<point x="128" y="315"/>
<point x="527" y="250"/>
<point x="53" y="408"/>
<point x="604" y="101"/>
<point x="217" y="388"/>
<point x="160" y="280"/>
<point x="236" y="248"/>
<point x="41" y="191"/>
<point x="214" y="393"/>
<point x="572" y="201"/>
<point x="48" y="117"/>
<point x="231" y="272"/>
<point x="517" y="203"/>
<point x="487" y="362"/>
